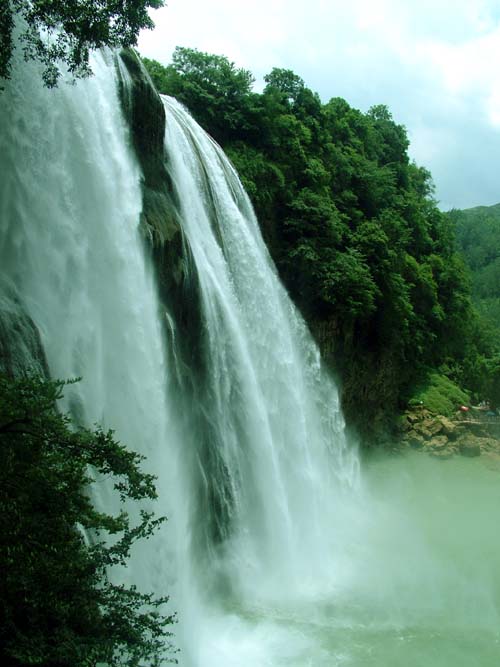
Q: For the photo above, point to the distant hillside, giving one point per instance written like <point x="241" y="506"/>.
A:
<point x="478" y="236"/>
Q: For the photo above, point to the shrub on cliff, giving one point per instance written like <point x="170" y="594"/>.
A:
<point x="440" y="396"/>
<point x="58" y="607"/>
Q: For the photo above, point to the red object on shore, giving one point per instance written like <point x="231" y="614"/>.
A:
<point x="464" y="408"/>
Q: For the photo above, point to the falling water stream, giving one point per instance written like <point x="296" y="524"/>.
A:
<point x="278" y="550"/>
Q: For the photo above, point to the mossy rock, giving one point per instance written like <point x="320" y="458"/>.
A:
<point x="439" y="442"/>
<point x="144" y="111"/>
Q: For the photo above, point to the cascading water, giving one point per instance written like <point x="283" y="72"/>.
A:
<point x="275" y="552"/>
<point x="270" y="454"/>
<point x="70" y="201"/>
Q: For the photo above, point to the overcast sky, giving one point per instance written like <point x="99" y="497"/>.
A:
<point x="435" y="63"/>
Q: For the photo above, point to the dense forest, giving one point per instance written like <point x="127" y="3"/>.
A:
<point x="478" y="237"/>
<point x="353" y="228"/>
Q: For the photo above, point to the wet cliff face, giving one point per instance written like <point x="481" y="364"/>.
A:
<point x="370" y="382"/>
<point x="177" y="283"/>
<point x="145" y="114"/>
<point x="21" y="349"/>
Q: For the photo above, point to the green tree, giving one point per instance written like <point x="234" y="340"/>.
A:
<point x="478" y="237"/>
<point x="211" y="86"/>
<point x="286" y="82"/>
<point x="59" y="607"/>
<point x="65" y="31"/>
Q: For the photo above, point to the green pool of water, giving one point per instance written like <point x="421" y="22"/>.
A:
<point x="415" y="580"/>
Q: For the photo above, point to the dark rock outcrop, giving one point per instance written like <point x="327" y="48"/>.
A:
<point x="21" y="349"/>
<point x="176" y="278"/>
<point x="369" y="380"/>
<point x="145" y="114"/>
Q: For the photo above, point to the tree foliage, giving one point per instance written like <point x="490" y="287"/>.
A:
<point x="351" y="224"/>
<point x="478" y="236"/>
<point x="58" y="605"/>
<point x="65" y="31"/>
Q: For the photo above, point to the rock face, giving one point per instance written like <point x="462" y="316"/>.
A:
<point x="443" y="438"/>
<point x="21" y="349"/>
<point x="371" y="379"/>
<point x="176" y="276"/>
<point x="144" y="111"/>
<point x="145" y="114"/>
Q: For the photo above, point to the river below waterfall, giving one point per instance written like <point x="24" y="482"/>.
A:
<point x="418" y="584"/>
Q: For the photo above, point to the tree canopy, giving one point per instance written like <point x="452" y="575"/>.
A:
<point x="478" y="236"/>
<point x="65" y="31"/>
<point x="59" y="606"/>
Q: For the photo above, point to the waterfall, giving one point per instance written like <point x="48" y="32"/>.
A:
<point x="244" y="431"/>
<point x="289" y="557"/>
<point x="269" y="451"/>
<point x="70" y="203"/>
<point x="276" y="551"/>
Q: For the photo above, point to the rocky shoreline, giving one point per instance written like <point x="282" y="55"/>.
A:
<point x="444" y="438"/>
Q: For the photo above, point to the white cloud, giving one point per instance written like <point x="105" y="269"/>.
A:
<point x="436" y="63"/>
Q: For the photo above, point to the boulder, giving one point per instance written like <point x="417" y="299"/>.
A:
<point x="439" y="442"/>
<point x="415" y="440"/>
<point x="448" y="428"/>
<point x="470" y="447"/>
<point x="422" y="429"/>
<point x="434" y="426"/>
<point x="442" y="455"/>
<point x="490" y="445"/>
<point x="413" y="417"/>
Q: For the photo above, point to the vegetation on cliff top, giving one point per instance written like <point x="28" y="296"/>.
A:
<point x="351" y="224"/>
<point x="65" y="31"/>
<point x="59" y="606"/>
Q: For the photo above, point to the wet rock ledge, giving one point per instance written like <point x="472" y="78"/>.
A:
<point x="444" y="438"/>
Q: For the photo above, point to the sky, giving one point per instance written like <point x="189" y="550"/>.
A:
<point x="434" y="63"/>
